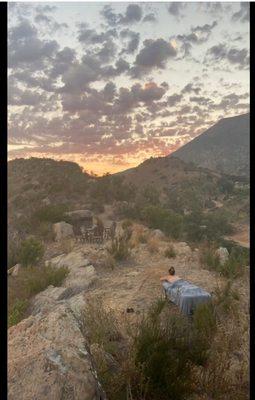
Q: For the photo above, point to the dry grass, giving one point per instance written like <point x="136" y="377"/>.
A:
<point x="140" y="234"/>
<point x="153" y="245"/>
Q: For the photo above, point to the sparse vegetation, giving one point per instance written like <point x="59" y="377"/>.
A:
<point x="119" y="248"/>
<point x="31" y="252"/>
<point x="232" y="268"/>
<point x="143" y="358"/>
<point x="153" y="245"/>
<point x="170" y="252"/>
<point x="30" y="281"/>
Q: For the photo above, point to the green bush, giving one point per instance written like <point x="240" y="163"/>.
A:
<point x="13" y="252"/>
<point x="52" y="213"/>
<point x="31" y="252"/>
<point x="159" y="218"/>
<point x="17" y="312"/>
<point x="170" y="252"/>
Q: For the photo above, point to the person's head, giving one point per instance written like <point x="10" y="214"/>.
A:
<point x="171" y="271"/>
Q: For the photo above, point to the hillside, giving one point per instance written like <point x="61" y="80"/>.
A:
<point x="225" y="147"/>
<point x="39" y="182"/>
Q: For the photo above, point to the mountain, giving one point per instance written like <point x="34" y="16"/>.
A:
<point x="225" y="147"/>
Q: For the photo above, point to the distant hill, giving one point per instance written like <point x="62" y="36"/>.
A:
<point x="225" y="147"/>
<point x="35" y="183"/>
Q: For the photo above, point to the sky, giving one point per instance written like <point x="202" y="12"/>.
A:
<point x="108" y="85"/>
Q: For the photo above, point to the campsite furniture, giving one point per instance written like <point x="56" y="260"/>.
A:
<point x="185" y="295"/>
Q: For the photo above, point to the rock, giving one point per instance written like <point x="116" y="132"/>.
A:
<point x="158" y="234"/>
<point x="62" y="230"/>
<point x="46" y="201"/>
<point x="182" y="248"/>
<point x="14" y="271"/>
<point x="48" y="359"/>
<point x="72" y="260"/>
<point x="81" y="274"/>
<point x="223" y="254"/>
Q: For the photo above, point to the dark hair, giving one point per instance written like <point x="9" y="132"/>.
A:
<point x="171" y="271"/>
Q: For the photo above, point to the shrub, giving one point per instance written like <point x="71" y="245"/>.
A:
<point x="170" y="252"/>
<point x="40" y="278"/>
<point x="236" y="263"/>
<point x="31" y="252"/>
<point x="120" y="247"/>
<point x="151" y="360"/>
<point x="17" y="312"/>
<point x="52" y="213"/>
<point x="208" y="258"/>
<point x="226" y="299"/>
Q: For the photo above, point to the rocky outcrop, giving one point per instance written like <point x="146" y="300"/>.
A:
<point x="62" y="230"/>
<point x="47" y="354"/>
<point x="48" y="357"/>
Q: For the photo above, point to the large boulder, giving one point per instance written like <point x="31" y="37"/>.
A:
<point x="48" y="357"/>
<point x="62" y="230"/>
<point x="223" y="254"/>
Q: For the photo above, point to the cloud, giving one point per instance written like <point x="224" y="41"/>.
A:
<point x="133" y="43"/>
<point x="243" y="15"/>
<point x="174" y="99"/>
<point x="133" y="14"/>
<point x="176" y="8"/>
<point x="154" y="54"/>
<point x="221" y="52"/>
<point x="191" y="88"/>
<point x="150" y="18"/>
<point x="26" y="48"/>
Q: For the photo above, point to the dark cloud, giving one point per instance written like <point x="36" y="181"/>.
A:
<point x="133" y="43"/>
<point x="133" y="14"/>
<point x="150" y="18"/>
<point x="90" y="36"/>
<point x="25" y="47"/>
<point x="154" y="54"/>
<point x="191" y="88"/>
<point x="243" y="14"/>
<point x="176" y="8"/>
<point x="174" y="99"/>
<point x="221" y="52"/>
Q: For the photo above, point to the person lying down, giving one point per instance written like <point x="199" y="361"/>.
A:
<point x="171" y="277"/>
